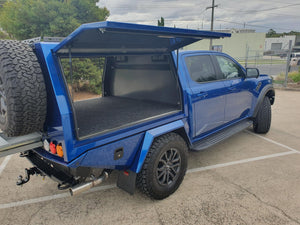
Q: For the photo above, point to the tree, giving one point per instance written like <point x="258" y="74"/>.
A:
<point x="23" y="19"/>
<point x="292" y="33"/>
<point x="161" y="22"/>
<point x="86" y="74"/>
<point x="271" y="33"/>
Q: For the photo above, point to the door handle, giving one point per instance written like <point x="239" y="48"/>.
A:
<point x="232" y="88"/>
<point x="202" y="94"/>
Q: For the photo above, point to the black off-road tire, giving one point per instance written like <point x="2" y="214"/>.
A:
<point x="150" y="180"/>
<point x="262" y="121"/>
<point x="23" y="98"/>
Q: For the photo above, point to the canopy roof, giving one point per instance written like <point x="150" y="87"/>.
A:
<point x="114" y="37"/>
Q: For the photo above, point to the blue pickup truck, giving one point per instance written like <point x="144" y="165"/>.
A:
<point x="122" y="97"/>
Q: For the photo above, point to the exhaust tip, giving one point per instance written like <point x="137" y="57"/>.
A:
<point x="78" y="189"/>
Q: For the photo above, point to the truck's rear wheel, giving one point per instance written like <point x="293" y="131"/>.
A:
<point x="262" y="121"/>
<point x="164" y="167"/>
<point x="23" y="99"/>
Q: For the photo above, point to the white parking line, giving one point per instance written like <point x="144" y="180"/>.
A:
<point x="106" y="187"/>
<point x="50" y="197"/>
<point x="271" y="141"/>
<point x="33" y="200"/>
<point x="4" y="163"/>
<point x="239" y="162"/>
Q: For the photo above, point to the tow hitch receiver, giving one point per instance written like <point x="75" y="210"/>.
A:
<point x="28" y="173"/>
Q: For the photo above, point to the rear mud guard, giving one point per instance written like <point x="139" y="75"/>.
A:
<point x="149" y="137"/>
<point x="127" y="179"/>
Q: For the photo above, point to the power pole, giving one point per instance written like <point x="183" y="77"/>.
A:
<point x="212" y="7"/>
<point x="288" y="61"/>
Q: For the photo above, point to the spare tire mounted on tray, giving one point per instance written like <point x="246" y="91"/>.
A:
<point x="23" y="99"/>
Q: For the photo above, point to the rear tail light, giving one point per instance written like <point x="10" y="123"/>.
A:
<point x="59" y="150"/>
<point x="53" y="148"/>
<point x="46" y="145"/>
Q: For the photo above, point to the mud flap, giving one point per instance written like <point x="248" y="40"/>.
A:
<point x="126" y="181"/>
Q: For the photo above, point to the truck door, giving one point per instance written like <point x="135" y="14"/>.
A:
<point x="238" y="89"/>
<point x="206" y="98"/>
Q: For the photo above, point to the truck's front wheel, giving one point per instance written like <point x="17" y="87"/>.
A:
<point x="262" y="121"/>
<point x="164" y="167"/>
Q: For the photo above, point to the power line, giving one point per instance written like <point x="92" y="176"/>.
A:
<point x="263" y="10"/>
<point x="143" y="3"/>
<point x="274" y="8"/>
<point x="280" y="2"/>
<point x="250" y="25"/>
<point x="279" y="14"/>
<point x="287" y="15"/>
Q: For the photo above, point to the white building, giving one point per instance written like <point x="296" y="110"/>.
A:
<point x="243" y="43"/>
<point x="279" y="43"/>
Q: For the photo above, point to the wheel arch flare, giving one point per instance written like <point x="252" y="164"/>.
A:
<point x="177" y="126"/>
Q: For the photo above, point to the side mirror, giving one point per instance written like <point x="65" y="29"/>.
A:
<point x="252" y="73"/>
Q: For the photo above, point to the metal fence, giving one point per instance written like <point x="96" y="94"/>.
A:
<point x="268" y="63"/>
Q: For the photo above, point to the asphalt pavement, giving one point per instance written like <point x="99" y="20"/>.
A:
<point x="247" y="179"/>
<point x="273" y="69"/>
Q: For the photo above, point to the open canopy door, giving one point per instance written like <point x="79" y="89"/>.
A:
<point x="114" y="37"/>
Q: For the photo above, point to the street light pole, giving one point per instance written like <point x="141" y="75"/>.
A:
<point x="212" y="7"/>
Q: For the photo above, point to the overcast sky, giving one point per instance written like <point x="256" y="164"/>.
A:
<point x="261" y="15"/>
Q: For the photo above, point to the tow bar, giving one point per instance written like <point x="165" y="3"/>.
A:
<point x="28" y="173"/>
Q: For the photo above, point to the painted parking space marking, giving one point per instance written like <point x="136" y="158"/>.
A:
<point x="107" y="187"/>
<point x="274" y="142"/>
<point x="239" y="162"/>
<point x="33" y="200"/>
<point x="4" y="163"/>
<point x="51" y="197"/>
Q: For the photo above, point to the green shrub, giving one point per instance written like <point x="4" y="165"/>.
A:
<point x="293" y="77"/>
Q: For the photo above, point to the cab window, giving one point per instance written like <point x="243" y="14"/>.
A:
<point x="200" y="68"/>
<point x="229" y="69"/>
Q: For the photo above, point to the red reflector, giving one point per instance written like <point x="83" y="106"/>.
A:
<point x="52" y="148"/>
<point x="126" y="173"/>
